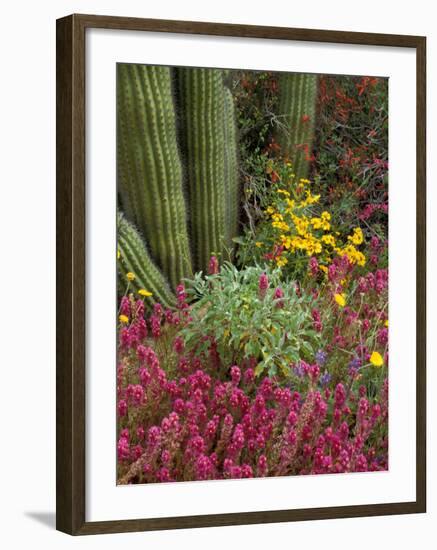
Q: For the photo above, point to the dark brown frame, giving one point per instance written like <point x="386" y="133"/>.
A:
<point x="70" y="300"/>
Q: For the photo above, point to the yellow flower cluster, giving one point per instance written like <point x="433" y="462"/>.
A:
<point x="281" y="261"/>
<point x="309" y="234"/>
<point x="354" y="255"/>
<point x="322" y="222"/>
<point x="309" y="199"/>
<point x="356" y="237"/>
<point x="301" y="224"/>
<point x="328" y="240"/>
<point x="278" y="222"/>
<point x="308" y="243"/>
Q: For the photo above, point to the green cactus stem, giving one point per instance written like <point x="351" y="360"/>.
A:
<point x="149" y="168"/>
<point x="208" y="137"/>
<point x="133" y="257"/>
<point x="297" y="111"/>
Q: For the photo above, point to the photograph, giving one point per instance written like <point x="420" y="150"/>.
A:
<point x="252" y="313"/>
<point x="218" y="310"/>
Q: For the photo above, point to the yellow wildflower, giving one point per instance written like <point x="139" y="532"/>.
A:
<point x="258" y="244"/>
<point x="340" y="299"/>
<point x="123" y="319"/>
<point x="298" y="243"/>
<point x="278" y="222"/>
<point x="312" y="245"/>
<point x="323" y="268"/>
<point x="118" y="253"/>
<point x="286" y="241"/>
<point x="376" y="359"/>
<point x="325" y="217"/>
<point x="144" y="292"/>
<point x="316" y="223"/>
<point x="357" y="236"/>
<point x="282" y="226"/>
<point x="290" y="206"/>
<point x="386" y="323"/>
<point x="310" y="199"/>
<point x="283" y="192"/>
<point x="301" y="224"/>
<point x="281" y="261"/>
<point x="130" y="276"/>
<point x="354" y="255"/>
<point x="328" y="239"/>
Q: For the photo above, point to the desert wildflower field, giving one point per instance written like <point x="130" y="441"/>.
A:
<point x="252" y="260"/>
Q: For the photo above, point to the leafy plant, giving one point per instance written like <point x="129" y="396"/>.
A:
<point x="251" y="314"/>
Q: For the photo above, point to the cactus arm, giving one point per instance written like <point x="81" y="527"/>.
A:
<point x="203" y="107"/>
<point x="297" y="98"/>
<point x="135" y="258"/>
<point x="212" y="171"/>
<point x="149" y="165"/>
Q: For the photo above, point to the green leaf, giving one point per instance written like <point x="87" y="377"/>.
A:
<point x="307" y="348"/>
<point x="259" y="369"/>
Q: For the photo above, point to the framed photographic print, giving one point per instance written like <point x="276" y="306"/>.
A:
<point x="240" y="274"/>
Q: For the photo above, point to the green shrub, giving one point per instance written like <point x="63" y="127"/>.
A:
<point x="271" y="326"/>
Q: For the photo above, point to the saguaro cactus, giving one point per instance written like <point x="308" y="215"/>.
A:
<point x="133" y="257"/>
<point x="296" y="110"/>
<point x="149" y="166"/>
<point x="208" y="135"/>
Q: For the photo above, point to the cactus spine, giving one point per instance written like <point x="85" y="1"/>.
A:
<point x="207" y="122"/>
<point x="133" y="257"/>
<point x="297" y="110"/>
<point x="149" y="167"/>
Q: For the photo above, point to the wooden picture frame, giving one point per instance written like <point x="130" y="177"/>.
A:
<point x="71" y="254"/>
